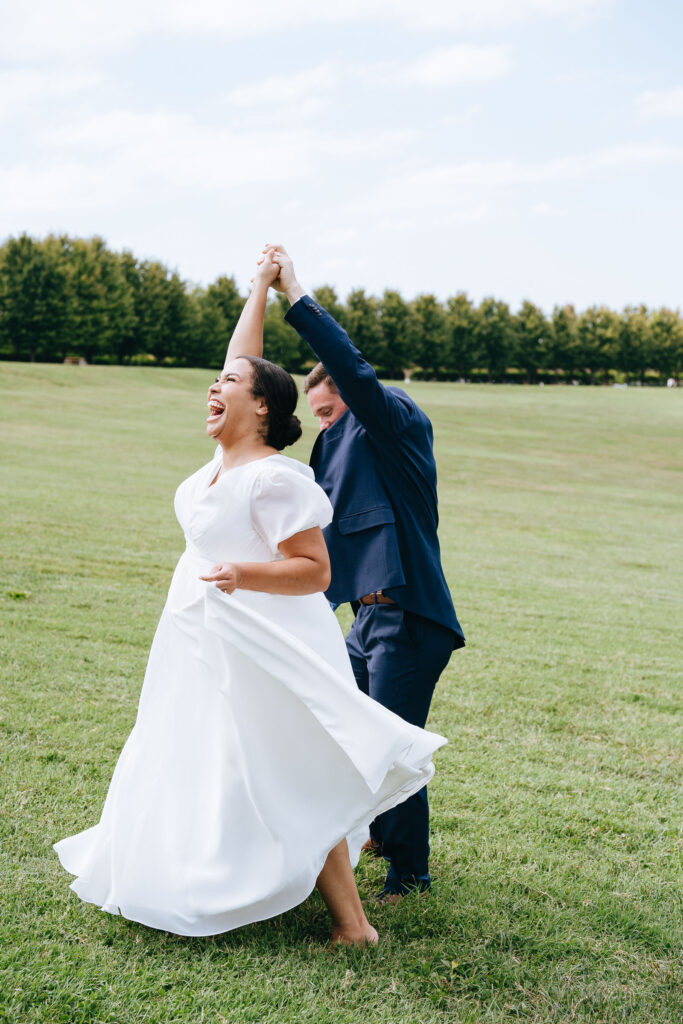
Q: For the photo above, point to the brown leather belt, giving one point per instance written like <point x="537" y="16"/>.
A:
<point x="377" y="598"/>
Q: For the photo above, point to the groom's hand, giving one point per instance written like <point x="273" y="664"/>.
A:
<point x="227" y="577"/>
<point x="286" y="282"/>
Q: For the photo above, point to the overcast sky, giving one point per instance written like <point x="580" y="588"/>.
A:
<point x="529" y="149"/>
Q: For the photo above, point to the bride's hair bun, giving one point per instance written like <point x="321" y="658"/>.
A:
<point x="291" y="432"/>
<point x="281" y="395"/>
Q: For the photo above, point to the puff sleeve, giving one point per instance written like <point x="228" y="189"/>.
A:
<point x="286" y="501"/>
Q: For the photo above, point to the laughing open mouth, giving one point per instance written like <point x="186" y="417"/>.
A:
<point x="215" y="407"/>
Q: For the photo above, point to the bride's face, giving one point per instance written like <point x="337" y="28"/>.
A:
<point x="233" y="409"/>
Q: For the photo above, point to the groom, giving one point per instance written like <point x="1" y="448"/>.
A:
<point x="374" y="459"/>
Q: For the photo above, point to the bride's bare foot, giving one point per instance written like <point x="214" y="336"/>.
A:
<point x="365" y="936"/>
<point x="337" y="886"/>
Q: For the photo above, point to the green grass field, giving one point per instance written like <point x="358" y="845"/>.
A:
<point x="556" y="804"/>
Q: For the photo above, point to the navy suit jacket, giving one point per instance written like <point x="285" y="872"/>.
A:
<point x="376" y="465"/>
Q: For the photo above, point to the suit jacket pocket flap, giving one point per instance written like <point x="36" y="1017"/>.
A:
<point x="356" y="521"/>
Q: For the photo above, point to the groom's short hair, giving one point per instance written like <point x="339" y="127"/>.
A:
<point x="319" y="375"/>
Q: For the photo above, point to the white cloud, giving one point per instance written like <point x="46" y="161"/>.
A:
<point x="120" y="158"/>
<point x="301" y="85"/>
<point x="171" y="140"/>
<point x="476" y="14"/>
<point x="548" y="210"/>
<point x="477" y="213"/>
<point x="35" y="190"/>
<point x="463" y="115"/>
<point x="123" y="156"/>
<point x="72" y="27"/>
<point x="519" y="172"/>
<point x="305" y="93"/>
<point x="21" y="88"/>
<point x="456" y="65"/>
<point x="661" y="103"/>
<point x="484" y="191"/>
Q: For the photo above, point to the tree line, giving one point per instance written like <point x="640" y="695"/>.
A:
<point x="63" y="297"/>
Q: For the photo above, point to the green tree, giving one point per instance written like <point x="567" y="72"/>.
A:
<point x="563" y="345"/>
<point x="281" y="343"/>
<point x="462" y="345"/>
<point x="213" y="330"/>
<point x="225" y="296"/>
<point x="635" y="342"/>
<point x="363" y="326"/>
<point x="429" y="333"/>
<point x="395" y="322"/>
<point x="532" y="340"/>
<point x="667" y="342"/>
<point x="151" y="310"/>
<point x="598" y="329"/>
<point x="494" y="330"/>
<point x="33" y="300"/>
<point x="127" y="342"/>
<point x="102" y="300"/>
<point x="182" y="343"/>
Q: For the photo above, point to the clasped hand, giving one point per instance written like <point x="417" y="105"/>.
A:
<point x="275" y="268"/>
<point x="226" y="575"/>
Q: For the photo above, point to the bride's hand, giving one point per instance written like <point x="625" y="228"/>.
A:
<point x="279" y="255"/>
<point x="226" y="576"/>
<point x="267" y="271"/>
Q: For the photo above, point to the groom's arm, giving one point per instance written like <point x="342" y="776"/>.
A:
<point x="382" y="412"/>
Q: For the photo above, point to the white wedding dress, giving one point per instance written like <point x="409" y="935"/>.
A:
<point x="253" y="752"/>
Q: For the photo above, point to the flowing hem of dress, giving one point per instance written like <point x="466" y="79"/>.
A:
<point x="239" y="918"/>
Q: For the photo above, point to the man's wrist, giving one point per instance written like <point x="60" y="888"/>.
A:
<point x="294" y="293"/>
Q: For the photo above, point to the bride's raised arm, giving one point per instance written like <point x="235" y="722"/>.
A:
<point x="247" y="338"/>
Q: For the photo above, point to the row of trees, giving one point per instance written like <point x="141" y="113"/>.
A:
<point x="62" y="297"/>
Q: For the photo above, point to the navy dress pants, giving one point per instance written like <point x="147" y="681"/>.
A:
<point x="397" y="658"/>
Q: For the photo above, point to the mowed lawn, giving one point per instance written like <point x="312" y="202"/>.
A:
<point x="556" y="804"/>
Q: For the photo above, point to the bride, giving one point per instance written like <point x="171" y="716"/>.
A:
<point x="255" y="763"/>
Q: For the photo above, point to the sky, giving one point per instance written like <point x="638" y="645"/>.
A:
<point x="526" y="150"/>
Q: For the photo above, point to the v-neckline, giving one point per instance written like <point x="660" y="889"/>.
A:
<point x="222" y="473"/>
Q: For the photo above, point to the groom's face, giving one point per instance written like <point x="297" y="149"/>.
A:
<point x="325" y="404"/>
